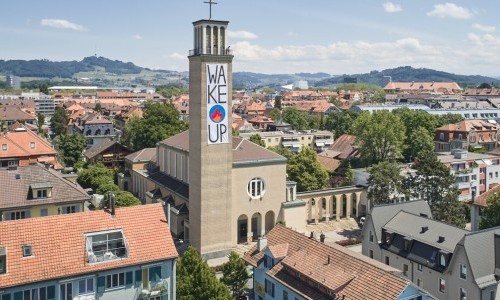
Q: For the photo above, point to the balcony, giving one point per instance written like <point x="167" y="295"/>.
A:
<point x="215" y="51"/>
<point x="108" y="246"/>
<point x="158" y="292"/>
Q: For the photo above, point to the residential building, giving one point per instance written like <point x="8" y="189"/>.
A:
<point x="295" y="140"/>
<point x="449" y="262"/>
<point x="477" y="204"/>
<point x="289" y="265"/>
<point x="37" y="191"/>
<point x="126" y="254"/>
<point x="110" y="153"/>
<point x="467" y="133"/>
<point x="475" y="173"/>
<point x="44" y="103"/>
<point x="482" y="94"/>
<point x="11" y="114"/>
<point x="134" y="178"/>
<point x="411" y="87"/>
<point x="343" y="148"/>
<point x="13" y="81"/>
<point x="20" y="147"/>
<point x="95" y="127"/>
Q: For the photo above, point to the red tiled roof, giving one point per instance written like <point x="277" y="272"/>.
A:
<point x="428" y="86"/>
<point x="58" y="243"/>
<point x="19" y="144"/>
<point x="481" y="200"/>
<point x="15" y="113"/>
<point x="333" y="267"/>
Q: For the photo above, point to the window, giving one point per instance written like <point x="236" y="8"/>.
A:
<point x="441" y="136"/>
<point x="285" y="295"/>
<point x="269" y="288"/>
<point x="70" y="209"/>
<point x="492" y="295"/>
<point x="406" y="245"/>
<point x="27" y="250"/>
<point x="41" y="193"/>
<point x="115" y="280"/>
<point x="463" y="294"/>
<point x="371" y="253"/>
<point x="66" y="291"/>
<point x="371" y="236"/>
<point x="42" y="293"/>
<point x="442" y="285"/>
<point x="420" y="282"/>
<point x="482" y="170"/>
<point x="4" y="147"/>
<point x="463" y="271"/>
<point x="387" y="260"/>
<point x="491" y="175"/>
<point x="17" y="215"/>
<point x="496" y="174"/>
<point x="86" y="286"/>
<point x="106" y="246"/>
<point x="405" y="270"/>
<point x="44" y="212"/>
<point x="256" y="187"/>
<point x="442" y="260"/>
<point x="3" y="261"/>
<point x="419" y="267"/>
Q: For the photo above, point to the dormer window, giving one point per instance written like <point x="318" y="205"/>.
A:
<point x="106" y="246"/>
<point x="41" y="190"/>
<point x="4" y="147"/>
<point x="32" y="145"/>
<point x="27" y="251"/>
<point x="442" y="259"/>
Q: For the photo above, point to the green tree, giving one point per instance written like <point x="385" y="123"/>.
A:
<point x="277" y="102"/>
<point x="275" y="114"/>
<point x="385" y="183"/>
<point x="124" y="199"/>
<point x="434" y="181"/>
<point x="40" y="119"/>
<point x="257" y="139"/>
<point x="305" y="169"/>
<point x="196" y="280"/>
<point x="379" y="135"/>
<point x="413" y="119"/>
<point x="378" y="97"/>
<point x="44" y="88"/>
<point x="491" y="214"/>
<point x="160" y="121"/>
<point x="59" y="121"/>
<point x="450" y="118"/>
<point x="420" y="140"/>
<point x="336" y="101"/>
<point x="71" y="147"/>
<point x="98" y="107"/>
<point x="171" y="91"/>
<point x="340" y="123"/>
<point x="298" y="119"/>
<point x="235" y="274"/>
<point x="348" y="175"/>
<point x="96" y="176"/>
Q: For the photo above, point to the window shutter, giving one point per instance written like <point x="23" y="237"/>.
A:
<point x="18" y="296"/>
<point x="6" y="297"/>
<point x="51" y="292"/>
<point x="138" y="277"/>
<point x="155" y="274"/>
<point x="129" y="279"/>
<point x="101" y="284"/>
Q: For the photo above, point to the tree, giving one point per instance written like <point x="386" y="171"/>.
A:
<point x="384" y="183"/>
<point x="235" y="274"/>
<point x="44" y="88"/>
<point x="277" y="102"/>
<point x="256" y="139"/>
<point x="297" y="118"/>
<point x="305" y="169"/>
<point x="40" y="119"/>
<point x="348" y="175"/>
<point x="380" y="136"/>
<point x="59" y="121"/>
<point x="491" y="214"/>
<point x="434" y="181"/>
<point x="96" y="177"/>
<point x="71" y="147"/>
<point x="420" y="140"/>
<point x="98" y="107"/>
<point x="196" y="281"/>
<point x="124" y="199"/>
<point x="450" y="118"/>
<point x="413" y="119"/>
<point x="160" y="121"/>
<point x="340" y="123"/>
<point x="275" y="114"/>
<point x="378" y="97"/>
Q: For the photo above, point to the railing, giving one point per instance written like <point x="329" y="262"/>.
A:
<point x="158" y="292"/>
<point x="216" y="51"/>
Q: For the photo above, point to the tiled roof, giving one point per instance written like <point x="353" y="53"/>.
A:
<point x="481" y="200"/>
<point x="279" y="251"/>
<point x="429" y="86"/>
<point x="16" y="192"/>
<point x="146" y="154"/>
<point x="103" y="146"/>
<point x="243" y="150"/>
<point x="348" y="274"/>
<point x="14" y="113"/>
<point x="179" y="187"/>
<point x="345" y="145"/>
<point x="469" y="125"/>
<point x="19" y="144"/>
<point x="58" y="243"/>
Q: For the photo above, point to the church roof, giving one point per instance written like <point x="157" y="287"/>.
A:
<point x="244" y="151"/>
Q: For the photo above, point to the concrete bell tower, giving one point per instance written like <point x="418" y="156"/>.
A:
<point x="210" y="141"/>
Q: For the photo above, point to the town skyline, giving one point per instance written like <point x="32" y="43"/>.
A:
<point x="271" y="38"/>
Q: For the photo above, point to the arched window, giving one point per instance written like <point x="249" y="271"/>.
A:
<point x="89" y="132"/>
<point x="256" y="187"/>
<point x="98" y="132"/>
<point x="107" y="132"/>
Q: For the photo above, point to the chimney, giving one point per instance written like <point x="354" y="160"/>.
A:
<point x="441" y="239"/>
<point x="111" y="199"/>
<point x="262" y="243"/>
<point x="424" y="229"/>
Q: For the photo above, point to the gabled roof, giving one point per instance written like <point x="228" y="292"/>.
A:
<point x="333" y="267"/>
<point x="470" y="125"/>
<point x="144" y="155"/>
<point x="381" y="214"/>
<point x="481" y="200"/>
<point x="16" y="192"/>
<point x="62" y="255"/>
<point x="14" y="113"/>
<point x="103" y="146"/>
<point x="427" y="86"/>
<point x="19" y="143"/>
<point x="343" y="146"/>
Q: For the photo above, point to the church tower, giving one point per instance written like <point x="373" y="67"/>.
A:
<point x="210" y="139"/>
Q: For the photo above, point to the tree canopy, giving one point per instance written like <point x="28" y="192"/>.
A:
<point x="235" y="274"/>
<point x="420" y="140"/>
<point x="160" y="121"/>
<point x="59" y="121"/>
<point x="196" y="280"/>
<point x="380" y="136"/>
<point x="385" y="182"/>
<point x="491" y="214"/>
<point x="256" y="139"/>
<point x="341" y="123"/>
<point x="299" y="120"/>
<point x="71" y="147"/>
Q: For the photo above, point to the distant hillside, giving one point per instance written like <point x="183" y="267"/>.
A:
<point x="256" y="80"/>
<point x="408" y="74"/>
<point x="65" y="69"/>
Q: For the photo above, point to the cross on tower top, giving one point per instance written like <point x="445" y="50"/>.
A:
<point x="210" y="3"/>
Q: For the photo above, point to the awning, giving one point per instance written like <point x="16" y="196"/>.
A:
<point x="320" y="144"/>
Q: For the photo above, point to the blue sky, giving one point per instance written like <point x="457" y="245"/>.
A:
<point x="272" y="36"/>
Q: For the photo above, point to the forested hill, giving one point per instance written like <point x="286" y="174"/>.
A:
<point x="408" y="74"/>
<point x="65" y="69"/>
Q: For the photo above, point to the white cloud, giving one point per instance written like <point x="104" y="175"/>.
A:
<point x="450" y="10"/>
<point x="61" y="24"/>
<point x="177" y="56"/>
<point x="392" y="7"/>
<point x="242" y="35"/>
<point x="137" y="37"/>
<point x="484" y="28"/>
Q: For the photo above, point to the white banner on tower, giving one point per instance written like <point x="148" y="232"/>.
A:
<point x="217" y="101"/>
